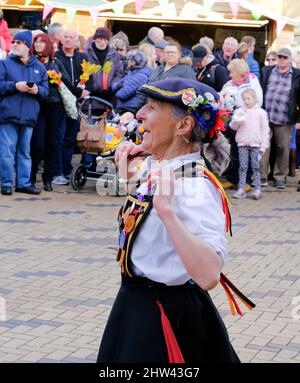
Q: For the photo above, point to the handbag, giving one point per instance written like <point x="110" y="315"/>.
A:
<point x="69" y="101"/>
<point x="91" y="138"/>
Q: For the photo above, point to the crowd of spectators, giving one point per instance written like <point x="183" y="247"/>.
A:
<point x="35" y="125"/>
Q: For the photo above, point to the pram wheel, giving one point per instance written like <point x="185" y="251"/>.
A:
<point x="78" y="177"/>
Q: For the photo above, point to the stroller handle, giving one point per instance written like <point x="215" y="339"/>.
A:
<point x="89" y="99"/>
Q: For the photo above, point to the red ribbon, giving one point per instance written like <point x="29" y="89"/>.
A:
<point x="222" y="117"/>
<point x="174" y="352"/>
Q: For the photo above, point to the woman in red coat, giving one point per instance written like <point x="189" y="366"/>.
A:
<point x="4" y="33"/>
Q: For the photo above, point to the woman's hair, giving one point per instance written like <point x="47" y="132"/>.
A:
<point x="250" y="92"/>
<point x="48" y="50"/>
<point x="138" y="59"/>
<point x="208" y="43"/>
<point x="118" y="44"/>
<point x="238" y="66"/>
<point x="176" y="44"/>
<point x="272" y="54"/>
<point x="149" y="51"/>
<point x="217" y="151"/>
<point x="81" y="43"/>
<point x="122" y="36"/>
<point x="243" y="50"/>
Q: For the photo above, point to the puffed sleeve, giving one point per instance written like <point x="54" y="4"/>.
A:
<point x="198" y="205"/>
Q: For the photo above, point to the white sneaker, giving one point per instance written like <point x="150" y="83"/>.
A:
<point x="240" y="194"/>
<point x="60" y="180"/>
<point x="256" y="194"/>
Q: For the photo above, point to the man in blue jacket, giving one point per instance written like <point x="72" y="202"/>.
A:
<point x="253" y="64"/>
<point x="23" y="82"/>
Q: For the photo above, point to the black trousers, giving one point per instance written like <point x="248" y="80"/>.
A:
<point x="44" y="139"/>
<point x="134" y="334"/>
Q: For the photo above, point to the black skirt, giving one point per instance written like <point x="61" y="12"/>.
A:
<point x="134" y="333"/>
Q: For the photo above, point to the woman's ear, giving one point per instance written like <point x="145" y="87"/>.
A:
<point x="185" y="126"/>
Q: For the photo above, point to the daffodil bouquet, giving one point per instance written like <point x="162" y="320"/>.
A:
<point x="54" y="77"/>
<point x="106" y="69"/>
<point x="87" y="70"/>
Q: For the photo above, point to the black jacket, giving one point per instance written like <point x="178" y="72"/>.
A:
<point x="73" y="67"/>
<point x="220" y="59"/>
<point x="294" y="102"/>
<point x="54" y="95"/>
<point x="214" y="75"/>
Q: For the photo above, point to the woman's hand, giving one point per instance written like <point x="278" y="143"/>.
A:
<point x="126" y="150"/>
<point x="164" y="180"/>
<point x="127" y="158"/>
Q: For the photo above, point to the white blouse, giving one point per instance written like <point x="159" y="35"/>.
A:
<point x="198" y="205"/>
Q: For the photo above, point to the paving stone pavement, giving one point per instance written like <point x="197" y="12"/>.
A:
<point x="58" y="275"/>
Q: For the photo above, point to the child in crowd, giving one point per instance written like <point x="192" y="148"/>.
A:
<point x="252" y="138"/>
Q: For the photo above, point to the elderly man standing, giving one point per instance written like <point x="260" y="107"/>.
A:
<point x="154" y="34"/>
<point x="99" y="52"/>
<point x="281" y="89"/>
<point x="228" y="51"/>
<point x="71" y="59"/>
<point x="23" y="81"/>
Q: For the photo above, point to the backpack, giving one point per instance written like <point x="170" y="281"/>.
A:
<point x="211" y="72"/>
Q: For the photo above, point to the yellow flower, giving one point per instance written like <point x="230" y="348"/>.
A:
<point x="88" y="69"/>
<point x="107" y="67"/>
<point x="55" y="78"/>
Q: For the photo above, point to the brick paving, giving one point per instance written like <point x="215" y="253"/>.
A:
<point x="59" y="277"/>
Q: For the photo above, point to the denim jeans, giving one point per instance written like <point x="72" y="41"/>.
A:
<point x="15" y="151"/>
<point x="66" y="141"/>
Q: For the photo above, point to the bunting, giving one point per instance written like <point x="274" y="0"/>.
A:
<point x="139" y="5"/>
<point x="70" y="15"/>
<point x="280" y="24"/>
<point x="208" y="4"/>
<point x="94" y="14"/>
<point x="234" y="8"/>
<point x="94" y="7"/>
<point x="47" y="9"/>
<point x="256" y="15"/>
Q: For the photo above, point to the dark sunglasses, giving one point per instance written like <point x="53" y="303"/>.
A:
<point x="282" y="57"/>
<point x="271" y="59"/>
<point x="18" y="42"/>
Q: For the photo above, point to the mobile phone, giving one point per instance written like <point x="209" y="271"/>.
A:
<point x="30" y="84"/>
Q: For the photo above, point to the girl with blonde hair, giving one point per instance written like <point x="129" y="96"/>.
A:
<point x="149" y="51"/>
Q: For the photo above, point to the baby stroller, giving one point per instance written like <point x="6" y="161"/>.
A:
<point x="101" y="132"/>
<point x="100" y="136"/>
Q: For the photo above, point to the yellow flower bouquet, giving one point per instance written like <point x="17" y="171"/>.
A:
<point x="106" y="69"/>
<point x="87" y="70"/>
<point x="68" y="98"/>
<point x="54" y="77"/>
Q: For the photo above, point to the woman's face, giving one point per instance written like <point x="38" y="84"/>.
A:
<point x="171" y="55"/>
<point x="39" y="46"/>
<point x="159" y="125"/>
<point x="271" y="60"/>
<point x="236" y="76"/>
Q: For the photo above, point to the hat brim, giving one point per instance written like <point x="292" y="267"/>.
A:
<point x="164" y="95"/>
<point x="197" y="58"/>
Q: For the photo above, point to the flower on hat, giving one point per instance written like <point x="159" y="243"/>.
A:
<point x="227" y="101"/>
<point x="189" y="98"/>
<point x="211" y="115"/>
